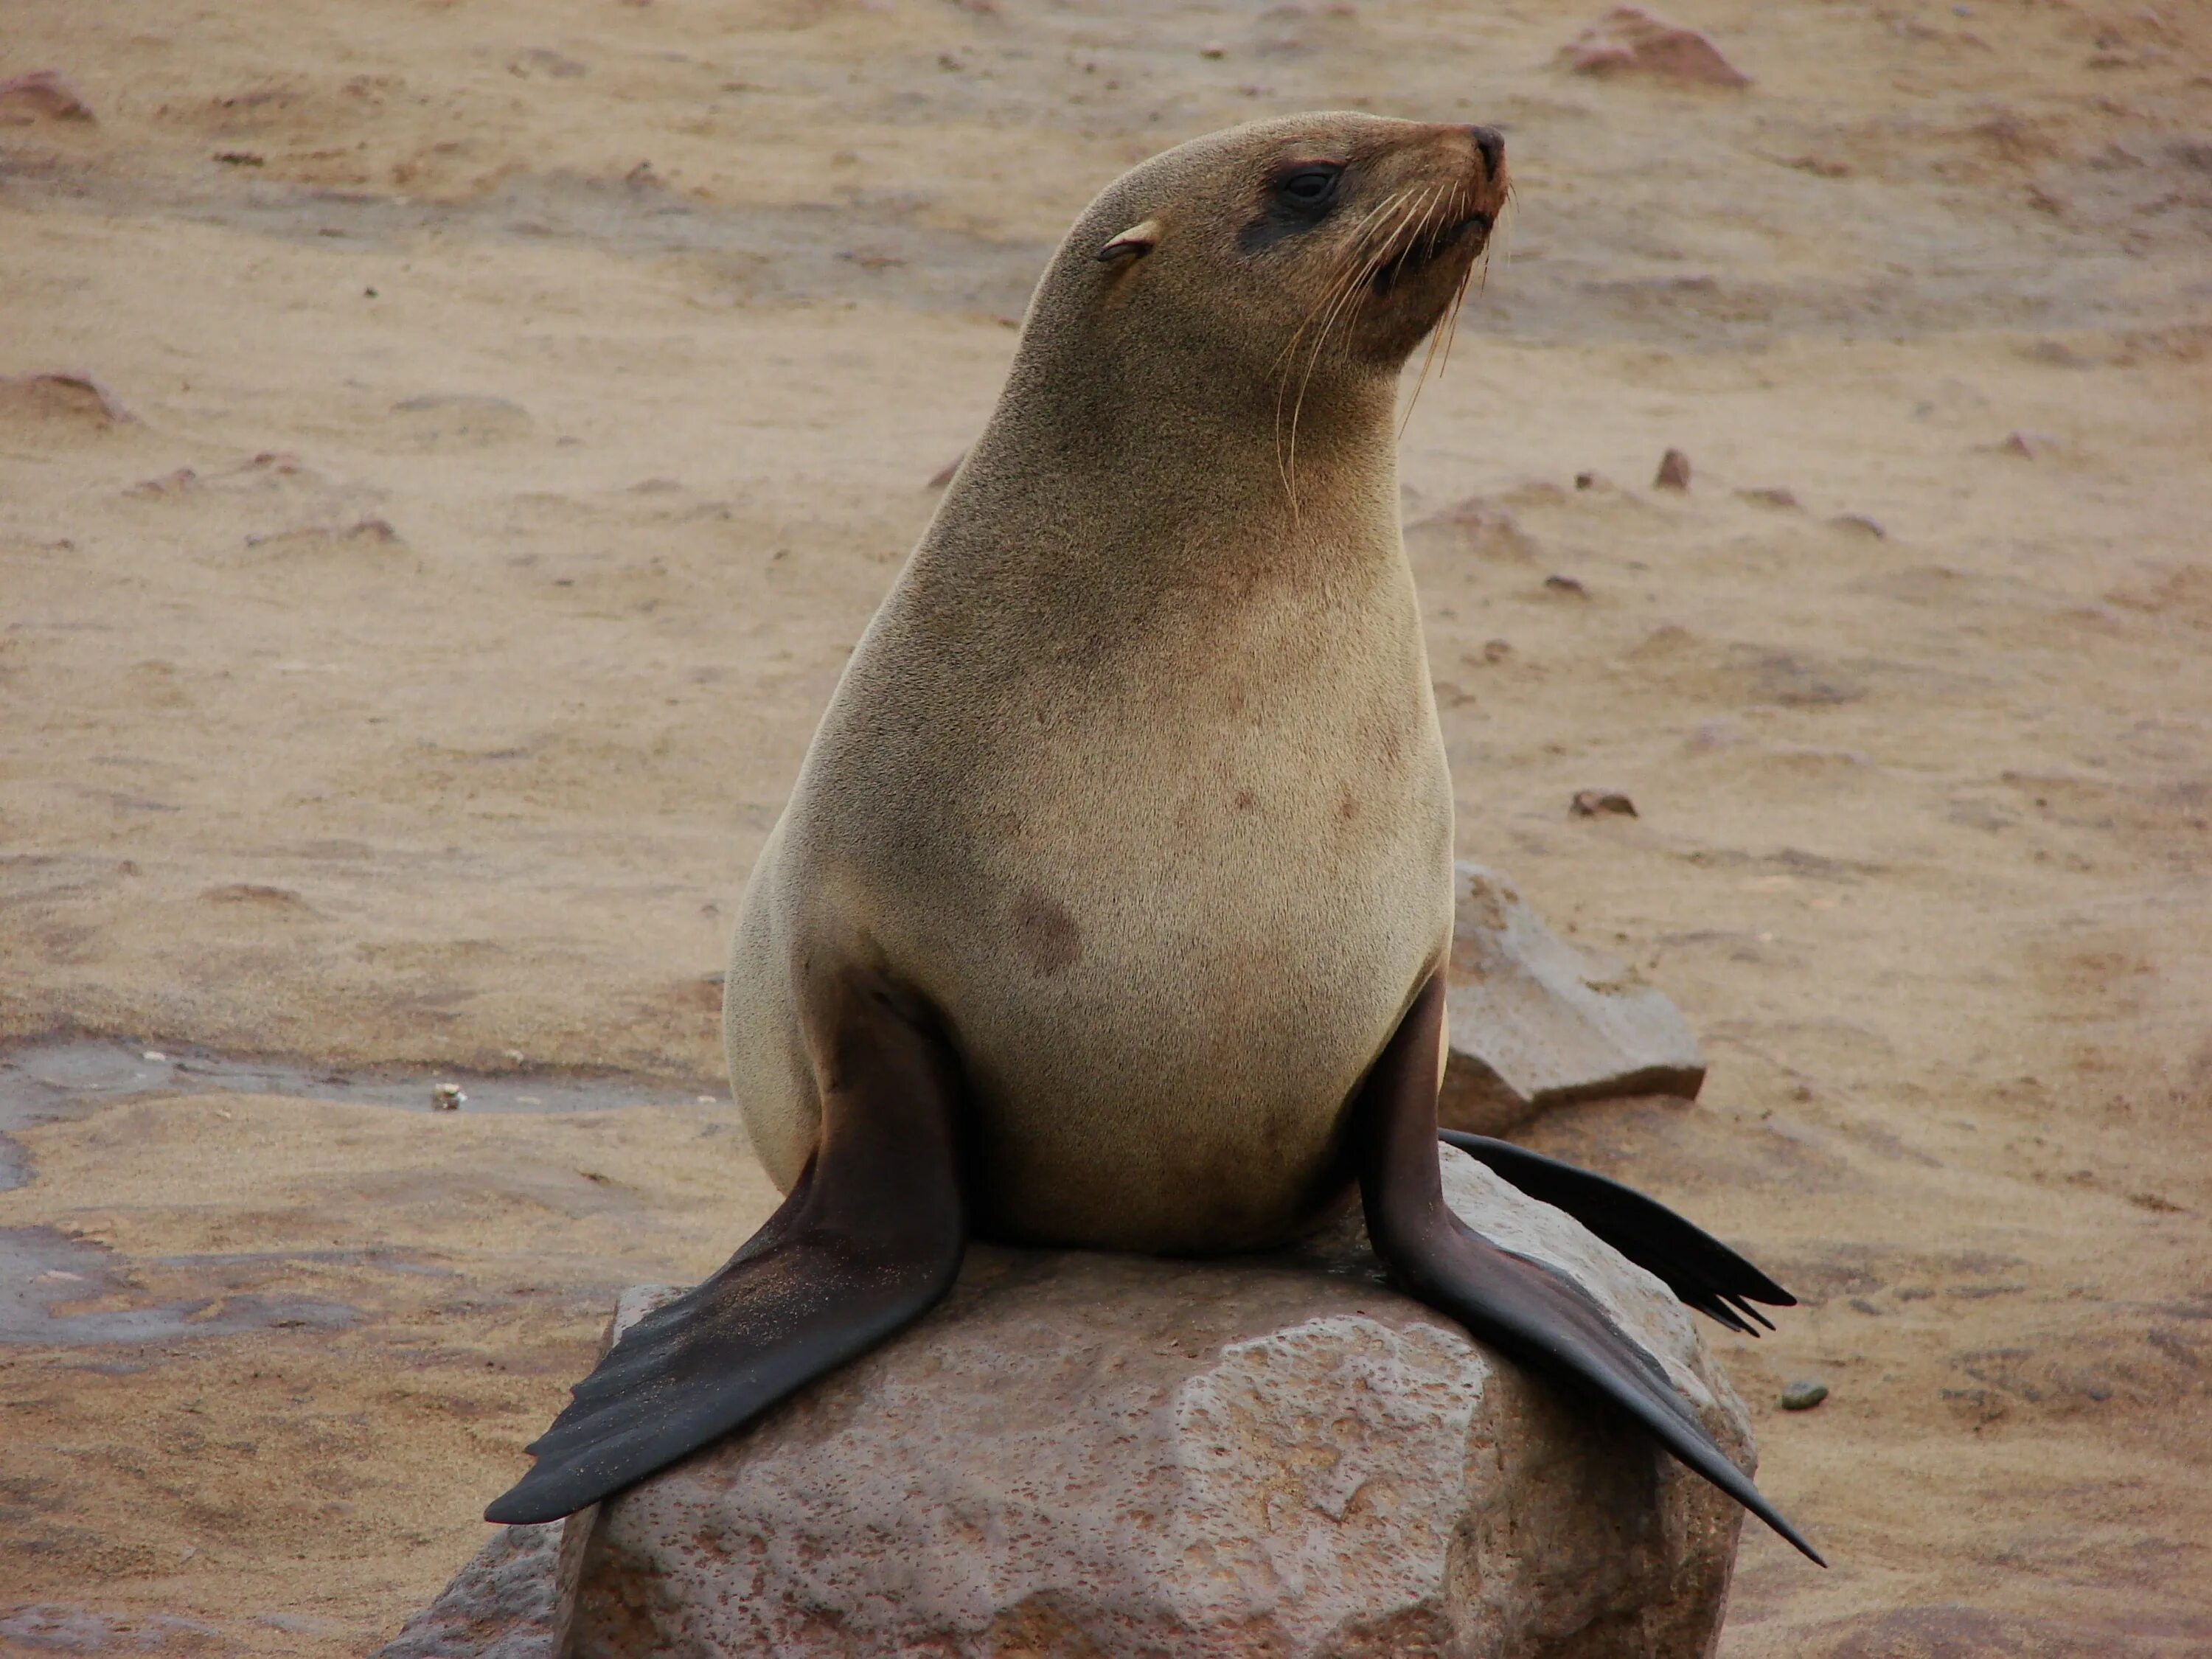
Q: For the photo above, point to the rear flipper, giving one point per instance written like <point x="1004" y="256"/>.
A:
<point x="867" y="1240"/>
<point x="1529" y="1311"/>
<point x="1697" y="1267"/>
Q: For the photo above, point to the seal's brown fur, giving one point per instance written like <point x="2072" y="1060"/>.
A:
<point x="1135" y="779"/>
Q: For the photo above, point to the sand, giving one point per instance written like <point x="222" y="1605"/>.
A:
<point x="506" y="417"/>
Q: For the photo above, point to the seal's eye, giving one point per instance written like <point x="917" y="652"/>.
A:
<point x="1309" y="186"/>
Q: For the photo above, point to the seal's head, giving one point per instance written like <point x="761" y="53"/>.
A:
<point x="1316" y="250"/>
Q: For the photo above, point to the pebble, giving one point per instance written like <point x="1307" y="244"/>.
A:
<point x="1803" y="1396"/>
<point x="1566" y="585"/>
<point x="1602" y="802"/>
<point x="1674" y="471"/>
<point x="447" y="1098"/>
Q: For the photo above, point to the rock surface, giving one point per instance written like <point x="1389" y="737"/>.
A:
<point x="505" y="1604"/>
<point x="1093" y="1455"/>
<point x="1629" y="39"/>
<point x="1537" y="1021"/>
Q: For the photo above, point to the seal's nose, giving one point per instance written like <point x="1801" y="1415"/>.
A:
<point x="1491" y="145"/>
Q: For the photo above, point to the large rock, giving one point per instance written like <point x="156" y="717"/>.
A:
<point x="1537" y="1021"/>
<point x="1090" y="1455"/>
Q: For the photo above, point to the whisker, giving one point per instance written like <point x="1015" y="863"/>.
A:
<point x="1351" y="294"/>
<point x="1324" y="311"/>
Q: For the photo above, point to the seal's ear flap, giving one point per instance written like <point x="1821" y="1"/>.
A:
<point x="1132" y="243"/>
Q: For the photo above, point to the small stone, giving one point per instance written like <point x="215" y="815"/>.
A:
<point x="1213" y="49"/>
<point x="1629" y="39"/>
<point x="1602" y="802"/>
<point x="1567" y="584"/>
<point x="155" y="1057"/>
<point x="43" y="95"/>
<point x="1785" y="500"/>
<point x="1589" y="480"/>
<point x="1859" y="524"/>
<point x="1803" y="1396"/>
<point x="1674" y="471"/>
<point x="1497" y="650"/>
<point x="2029" y="446"/>
<point x="447" y="1098"/>
<point x="169" y="483"/>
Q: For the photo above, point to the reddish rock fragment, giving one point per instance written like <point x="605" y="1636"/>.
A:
<point x="1602" y="802"/>
<point x="1629" y="39"/>
<point x="41" y="95"/>
<point x="62" y="394"/>
<point x="1674" y="471"/>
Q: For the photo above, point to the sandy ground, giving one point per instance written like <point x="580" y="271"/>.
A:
<point x="523" y="406"/>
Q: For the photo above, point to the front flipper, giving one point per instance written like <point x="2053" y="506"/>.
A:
<point x="1697" y="1267"/>
<point x="867" y="1240"/>
<point x="1529" y="1311"/>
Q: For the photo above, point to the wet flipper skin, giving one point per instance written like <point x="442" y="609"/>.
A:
<point x="1530" y="1312"/>
<point x="1697" y="1267"/>
<point x="869" y="1239"/>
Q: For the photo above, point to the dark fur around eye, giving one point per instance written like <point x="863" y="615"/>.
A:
<point x="1298" y="196"/>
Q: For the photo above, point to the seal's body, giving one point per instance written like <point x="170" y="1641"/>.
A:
<point x="1169" y="878"/>
<point x="1110" y="907"/>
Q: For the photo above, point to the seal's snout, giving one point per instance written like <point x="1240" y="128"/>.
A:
<point x="1490" y="144"/>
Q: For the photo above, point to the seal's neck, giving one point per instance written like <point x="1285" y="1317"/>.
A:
<point x="1144" y="469"/>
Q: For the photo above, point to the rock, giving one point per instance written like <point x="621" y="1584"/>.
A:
<point x="41" y="95"/>
<point x="1783" y="500"/>
<point x="1674" y="471"/>
<point x="505" y="1604"/>
<point x="1478" y="526"/>
<point x="1084" y="1453"/>
<point x="2029" y="446"/>
<point x="1569" y="585"/>
<point x="447" y="1098"/>
<point x="1629" y="39"/>
<point x="169" y="483"/>
<point x="1536" y="1022"/>
<point x="1859" y="525"/>
<point x="1602" y="802"/>
<point x="1803" y="1396"/>
<point x="61" y="395"/>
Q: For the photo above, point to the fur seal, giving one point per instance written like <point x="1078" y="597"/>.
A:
<point x="1111" y="904"/>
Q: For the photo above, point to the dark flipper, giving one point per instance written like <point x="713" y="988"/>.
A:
<point x="867" y="1240"/>
<point x="1532" y="1313"/>
<point x="1697" y="1267"/>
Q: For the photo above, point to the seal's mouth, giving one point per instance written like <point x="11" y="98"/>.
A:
<point x="1427" y="246"/>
